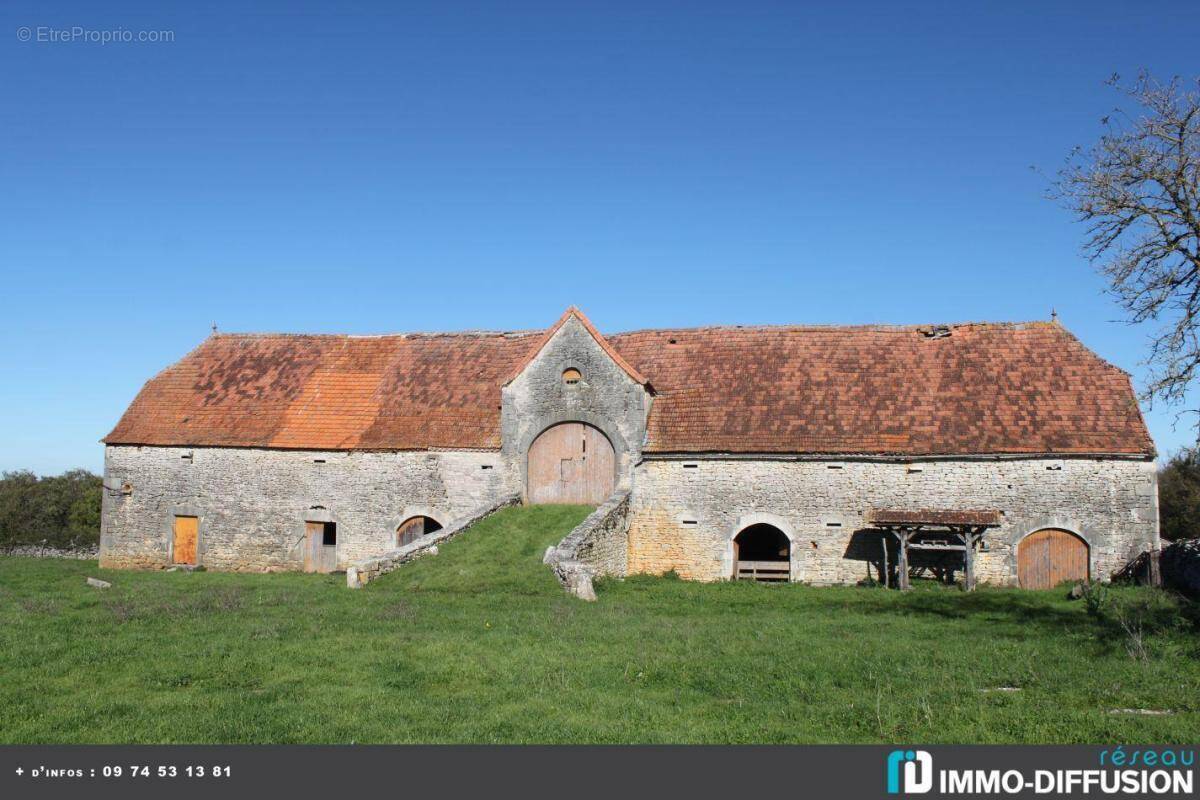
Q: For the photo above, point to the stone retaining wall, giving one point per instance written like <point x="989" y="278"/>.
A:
<point x="597" y="546"/>
<point x="600" y="541"/>
<point x="360" y="574"/>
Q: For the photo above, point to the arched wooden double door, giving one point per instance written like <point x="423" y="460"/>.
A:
<point x="571" y="462"/>
<point x="1050" y="556"/>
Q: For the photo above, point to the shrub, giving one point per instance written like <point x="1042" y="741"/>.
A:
<point x="1095" y="598"/>
<point x="60" y="511"/>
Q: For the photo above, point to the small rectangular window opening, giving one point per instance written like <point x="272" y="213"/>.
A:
<point x="485" y="466"/>
<point x="329" y="534"/>
<point x="690" y="522"/>
<point x="833" y="524"/>
<point x="835" y="466"/>
<point x="691" y="466"/>
<point x="318" y="461"/>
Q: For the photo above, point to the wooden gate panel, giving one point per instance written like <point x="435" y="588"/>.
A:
<point x="571" y="463"/>
<point x="187" y="531"/>
<point x="328" y="558"/>
<point x="1048" y="557"/>
<point x="314" y="540"/>
<point x="599" y="467"/>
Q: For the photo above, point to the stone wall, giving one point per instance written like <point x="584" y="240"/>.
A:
<point x="593" y="548"/>
<point x="601" y="540"/>
<point x="252" y="503"/>
<point x="606" y="397"/>
<point x="36" y="551"/>
<point x="363" y="572"/>
<point x="684" y="513"/>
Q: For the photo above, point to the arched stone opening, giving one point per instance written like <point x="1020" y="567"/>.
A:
<point x="414" y="528"/>
<point x="762" y="552"/>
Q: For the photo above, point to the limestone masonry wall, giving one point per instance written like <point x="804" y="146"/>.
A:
<point x="253" y="503"/>
<point x="597" y="546"/>
<point x="600" y="541"/>
<point x="684" y="514"/>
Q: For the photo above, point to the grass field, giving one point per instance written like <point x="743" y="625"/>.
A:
<point x="479" y="644"/>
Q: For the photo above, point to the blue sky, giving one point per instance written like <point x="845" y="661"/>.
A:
<point x="374" y="167"/>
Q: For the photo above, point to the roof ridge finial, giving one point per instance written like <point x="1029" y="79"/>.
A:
<point x="214" y="328"/>
<point x="1053" y="314"/>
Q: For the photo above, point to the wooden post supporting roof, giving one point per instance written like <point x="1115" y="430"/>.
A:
<point x="902" y="535"/>
<point x="885" y="572"/>
<point x="968" y="540"/>
<point x="968" y="527"/>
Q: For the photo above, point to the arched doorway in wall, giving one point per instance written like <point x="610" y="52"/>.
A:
<point x="1050" y="556"/>
<point x="414" y="528"/>
<point x="571" y="462"/>
<point x="762" y="552"/>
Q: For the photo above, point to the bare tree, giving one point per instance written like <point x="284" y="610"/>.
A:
<point x="1138" y="192"/>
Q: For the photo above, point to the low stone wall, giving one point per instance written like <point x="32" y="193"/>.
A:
<point x="37" y="551"/>
<point x="360" y="574"/>
<point x="597" y="546"/>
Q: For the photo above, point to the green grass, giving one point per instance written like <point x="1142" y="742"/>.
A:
<point x="479" y="644"/>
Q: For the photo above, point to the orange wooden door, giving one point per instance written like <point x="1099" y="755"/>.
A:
<point x="187" y="531"/>
<point x="1048" y="557"/>
<point x="571" y="463"/>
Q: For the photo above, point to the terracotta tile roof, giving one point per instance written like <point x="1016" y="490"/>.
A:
<point x="946" y="390"/>
<point x="927" y="516"/>
<point x="982" y="389"/>
<point x="329" y="393"/>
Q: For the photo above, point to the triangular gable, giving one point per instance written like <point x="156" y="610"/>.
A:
<point x="595" y="334"/>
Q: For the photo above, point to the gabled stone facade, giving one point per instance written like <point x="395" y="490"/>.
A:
<point x="607" y="397"/>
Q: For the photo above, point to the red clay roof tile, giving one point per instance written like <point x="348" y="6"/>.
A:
<point x="1027" y="388"/>
<point x="984" y="389"/>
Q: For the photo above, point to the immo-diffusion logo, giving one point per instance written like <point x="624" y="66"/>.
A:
<point x="1141" y="772"/>
<point x="916" y="769"/>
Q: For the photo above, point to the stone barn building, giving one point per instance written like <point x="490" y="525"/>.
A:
<point x="817" y="454"/>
